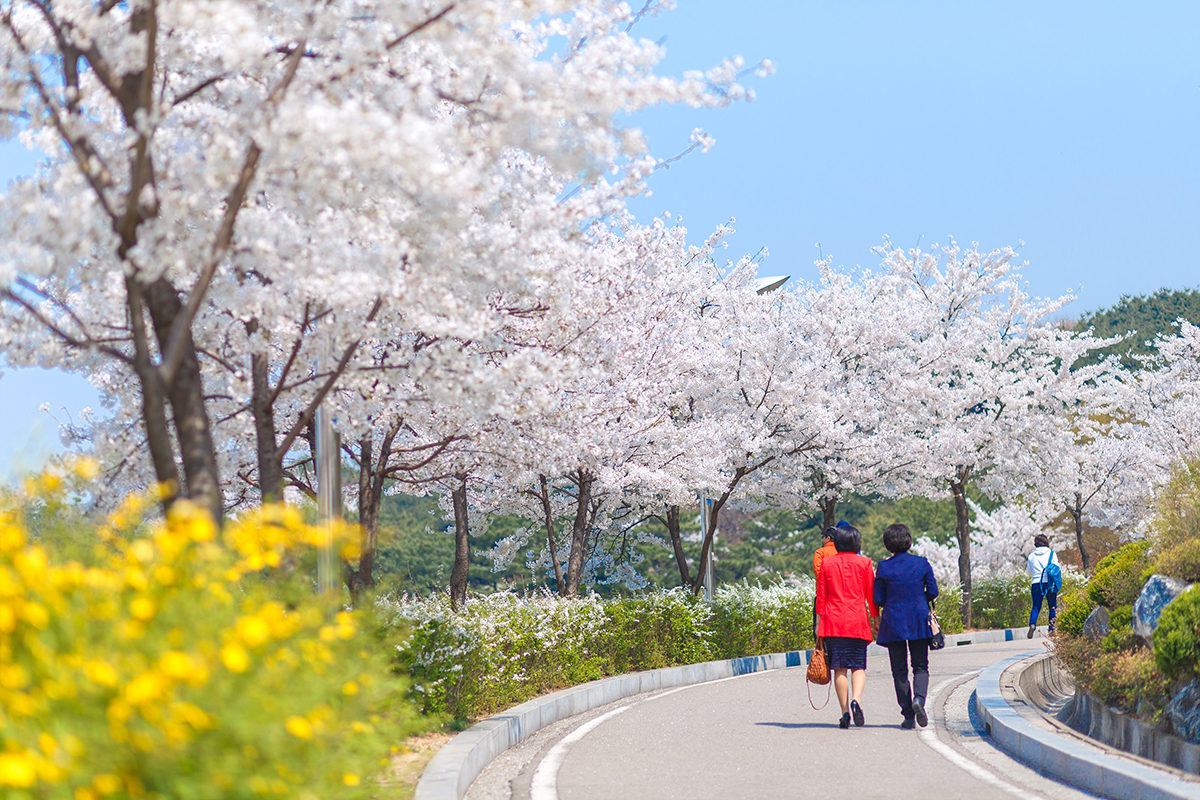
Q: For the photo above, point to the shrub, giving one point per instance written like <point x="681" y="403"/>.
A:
<point x="948" y="610"/>
<point x="657" y="630"/>
<point x="1119" y="576"/>
<point x="1001" y="602"/>
<point x="1120" y="636"/>
<point x="751" y="620"/>
<point x="1180" y="561"/>
<point x="1177" y="637"/>
<point x="1073" y="611"/>
<point x="167" y="666"/>
<point x="1130" y="680"/>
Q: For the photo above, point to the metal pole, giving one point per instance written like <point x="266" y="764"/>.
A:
<point x="328" y="498"/>
<point x="710" y="581"/>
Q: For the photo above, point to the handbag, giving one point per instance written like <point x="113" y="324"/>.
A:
<point x="818" y="673"/>
<point x="937" y="639"/>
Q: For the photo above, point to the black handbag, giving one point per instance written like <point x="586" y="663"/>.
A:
<point x="937" y="639"/>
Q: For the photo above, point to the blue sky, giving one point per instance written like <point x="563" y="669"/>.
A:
<point x="1069" y="126"/>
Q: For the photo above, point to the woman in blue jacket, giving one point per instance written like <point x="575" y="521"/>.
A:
<point x="904" y="588"/>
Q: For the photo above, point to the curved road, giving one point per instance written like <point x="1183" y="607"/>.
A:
<point x="757" y="736"/>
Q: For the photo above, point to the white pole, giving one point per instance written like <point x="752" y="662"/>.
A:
<point x="328" y="497"/>
<point x="710" y="581"/>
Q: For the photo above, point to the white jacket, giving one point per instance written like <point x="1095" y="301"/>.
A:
<point x="1039" y="559"/>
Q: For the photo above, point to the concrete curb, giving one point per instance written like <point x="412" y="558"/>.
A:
<point x="1073" y="762"/>
<point x="460" y="761"/>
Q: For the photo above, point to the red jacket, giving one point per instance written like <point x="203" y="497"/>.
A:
<point x="845" y="590"/>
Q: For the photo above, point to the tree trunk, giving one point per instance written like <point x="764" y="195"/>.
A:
<point x="962" y="531"/>
<point x="154" y="400"/>
<point x="710" y="534"/>
<point x="370" y="495"/>
<point x="579" y="534"/>
<point x="828" y="512"/>
<point x="462" y="545"/>
<point x="270" y="460"/>
<point x="1077" y="516"/>
<point x="551" y="539"/>
<point x="672" y="523"/>
<point x="186" y="393"/>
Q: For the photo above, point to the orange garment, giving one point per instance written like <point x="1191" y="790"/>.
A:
<point x="826" y="549"/>
<point x="845" y="592"/>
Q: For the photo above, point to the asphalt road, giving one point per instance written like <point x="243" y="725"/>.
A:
<point x="757" y="736"/>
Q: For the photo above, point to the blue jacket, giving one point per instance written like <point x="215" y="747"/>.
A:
<point x="904" y="585"/>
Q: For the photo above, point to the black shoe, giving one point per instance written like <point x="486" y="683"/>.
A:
<point x="844" y="722"/>
<point x="1029" y="635"/>
<point x="919" y="711"/>
<point x="856" y="710"/>
<point x="908" y="724"/>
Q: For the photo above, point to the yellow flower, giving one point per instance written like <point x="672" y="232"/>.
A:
<point x="46" y="743"/>
<point x="36" y="615"/>
<point x="299" y="727"/>
<point x="145" y="688"/>
<point x="8" y="618"/>
<point x="234" y="657"/>
<point x="86" y="468"/>
<point x="13" y="676"/>
<point x="107" y="784"/>
<point x="349" y="688"/>
<point x="101" y="672"/>
<point x="142" y="608"/>
<point x="253" y="631"/>
<point x="17" y="769"/>
<point x="12" y="537"/>
<point x="177" y="665"/>
<point x="350" y="779"/>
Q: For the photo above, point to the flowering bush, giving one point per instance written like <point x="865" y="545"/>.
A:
<point x="164" y="664"/>
<point x="502" y="649"/>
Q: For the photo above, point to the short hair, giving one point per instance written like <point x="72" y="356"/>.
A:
<point x="829" y="533"/>
<point x="847" y="540"/>
<point x="897" y="538"/>
<point x="1041" y="540"/>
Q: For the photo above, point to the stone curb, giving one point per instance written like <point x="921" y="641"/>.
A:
<point x="1073" y="762"/>
<point x="453" y="768"/>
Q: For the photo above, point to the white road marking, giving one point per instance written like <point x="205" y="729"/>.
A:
<point x="544" y="785"/>
<point x="545" y="779"/>
<point x="929" y="737"/>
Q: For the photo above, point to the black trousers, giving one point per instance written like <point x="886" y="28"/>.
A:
<point x="899" y="653"/>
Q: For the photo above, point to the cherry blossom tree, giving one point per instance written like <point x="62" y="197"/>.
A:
<point x="993" y="367"/>
<point x="288" y="171"/>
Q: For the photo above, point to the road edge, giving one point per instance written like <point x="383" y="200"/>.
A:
<point x="452" y="770"/>
<point x="1074" y="762"/>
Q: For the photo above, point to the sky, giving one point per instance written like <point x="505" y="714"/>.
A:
<point x="1067" y="130"/>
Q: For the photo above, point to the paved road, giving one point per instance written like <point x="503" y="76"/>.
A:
<point x="757" y="736"/>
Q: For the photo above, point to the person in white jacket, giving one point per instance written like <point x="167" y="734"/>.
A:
<point x="1039" y="559"/>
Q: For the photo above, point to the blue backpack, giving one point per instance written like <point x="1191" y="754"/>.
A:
<point x="1052" y="577"/>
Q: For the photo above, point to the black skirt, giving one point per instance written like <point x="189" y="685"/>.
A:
<point x="845" y="652"/>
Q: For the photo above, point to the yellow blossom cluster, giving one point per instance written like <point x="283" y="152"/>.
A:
<point x="183" y="659"/>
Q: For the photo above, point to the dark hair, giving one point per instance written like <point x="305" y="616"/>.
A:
<point x="1041" y="540"/>
<point x="847" y="540"/>
<point x="897" y="538"/>
<point x="829" y="533"/>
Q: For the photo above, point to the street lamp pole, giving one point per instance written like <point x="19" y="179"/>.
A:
<point x="765" y="284"/>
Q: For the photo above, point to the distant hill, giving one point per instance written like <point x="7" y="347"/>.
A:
<point x="1146" y="317"/>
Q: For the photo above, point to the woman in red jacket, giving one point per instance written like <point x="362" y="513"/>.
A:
<point x="845" y="598"/>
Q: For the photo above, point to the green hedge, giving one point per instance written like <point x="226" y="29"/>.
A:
<point x="502" y="649"/>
